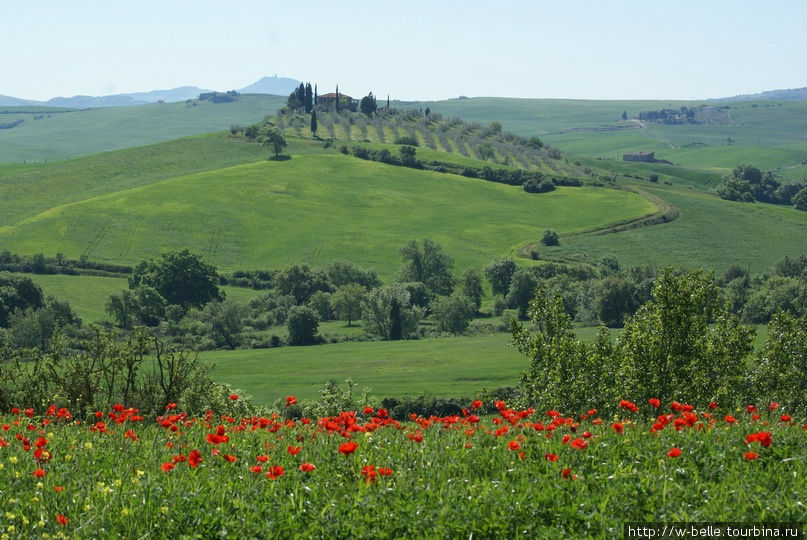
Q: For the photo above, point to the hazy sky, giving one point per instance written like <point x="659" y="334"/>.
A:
<point x="608" y="49"/>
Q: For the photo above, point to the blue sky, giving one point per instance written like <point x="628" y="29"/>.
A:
<point x="597" y="49"/>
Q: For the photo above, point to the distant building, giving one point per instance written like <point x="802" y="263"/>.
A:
<point x="648" y="157"/>
<point x="345" y="102"/>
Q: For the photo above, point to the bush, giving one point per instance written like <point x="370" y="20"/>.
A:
<point x="550" y="238"/>
<point x="302" y="325"/>
<point x="453" y="313"/>
<point x="407" y="140"/>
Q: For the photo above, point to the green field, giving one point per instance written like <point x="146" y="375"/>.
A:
<point x="311" y="209"/>
<point x="59" y="134"/>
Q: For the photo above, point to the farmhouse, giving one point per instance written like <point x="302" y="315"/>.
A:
<point x="648" y="157"/>
<point x="345" y="101"/>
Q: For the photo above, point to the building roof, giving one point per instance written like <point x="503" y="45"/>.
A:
<point x="332" y="95"/>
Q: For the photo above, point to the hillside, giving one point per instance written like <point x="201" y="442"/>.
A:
<point x="49" y="135"/>
<point x="311" y="208"/>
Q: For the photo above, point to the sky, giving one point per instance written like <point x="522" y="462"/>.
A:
<point x="413" y="50"/>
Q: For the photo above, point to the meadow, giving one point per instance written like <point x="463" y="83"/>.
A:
<point x="360" y="473"/>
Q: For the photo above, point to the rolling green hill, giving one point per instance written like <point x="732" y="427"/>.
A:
<point x="310" y="209"/>
<point x="55" y="134"/>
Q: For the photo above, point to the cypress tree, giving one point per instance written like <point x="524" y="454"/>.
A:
<point x="337" y="98"/>
<point x="314" y="122"/>
<point x="387" y="101"/>
<point x="309" y="98"/>
<point x="395" y="326"/>
<point x="316" y="99"/>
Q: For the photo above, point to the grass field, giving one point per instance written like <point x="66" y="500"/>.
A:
<point x="313" y="209"/>
<point x="64" y="135"/>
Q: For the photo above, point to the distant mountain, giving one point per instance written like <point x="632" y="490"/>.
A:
<point x="789" y="94"/>
<point x="8" y="101"/>
<point x="278" y="86"/>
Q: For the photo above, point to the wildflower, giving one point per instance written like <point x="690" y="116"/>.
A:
<point x="763" y="437"/>
<point x="730" y="419"/>
<point x="773" y="406"/>
<point x="751" y="409"/>
<point x="785" y="418"/>
<point x="551" y="457"/>
<point x="513" y="446"/>
<point x="618" y="427"/>
<point x="674" y="453"/>
<point x="194" y="459"/>
<point x="579" y="443"/>
<point x="475" y="404"/>
<point x="468" y="445"/>
<point x="58" y="489"/>
<point x="39" y="473"/>
<point x="369" y="472"/>
<point x="61" y="520"/>
<point x="275" y="472"/>
<point x="167" y="466"/>
<point x="350" y="447"/>
<point x="629" y="405"/>
<point x="567" y="473"/>
<point x="291" y="400"/>
<point x="233" y="397"/>
<point x="262" y="459"/>
<point x="712" y="405"/>
<point x="257" y="469"/>
<point x="294" y="450"/>
<point x="383" y="471"/>
<point x="307" y="467"/>
<point x="750" y="455"/>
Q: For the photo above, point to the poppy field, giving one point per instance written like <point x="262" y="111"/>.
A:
<point x="513" y="473"/>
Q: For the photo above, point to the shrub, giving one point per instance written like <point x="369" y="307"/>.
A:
<point x="407" y="140"/>
<point x="302" y="325"/>
<point x="550" y="238"/>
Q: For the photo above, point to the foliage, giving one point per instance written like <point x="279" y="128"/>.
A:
<point x="302" y="324"/>
<point x="300" y="282"/>
<point x="17" y="292"/>
<point x="223" y="319"/>
<point x="378" y="317"/>
<point x="748" y="184"/>
<point x="471" y="286"/>
<point x="499" y="274"/>
<point x="341" y="273"/>
<point x="550" y="238"/>
<point x="181" y="277"/>
<point x="684" y="344"/>
<point x="320" y="302"/>
<point x="521" y="291"/>
<point x="347" y="301"/>
<point x="36" y="327"/>
<point x="780" y="371"/>
<point x="428" y="264"/>
<point x="453" y="313"/>
<point x="270" y="136"/>
<point x="141" y="305"/>
<point x="368" y="104"/>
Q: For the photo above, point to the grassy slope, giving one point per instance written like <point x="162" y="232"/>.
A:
<point x="81" y="132"/>
<point x="314" y="209"/>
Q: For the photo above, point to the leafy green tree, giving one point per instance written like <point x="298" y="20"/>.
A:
<point x="522" y="290"/>
<point x="224" y="322"/>
<point x="338" y="98"/>
<point x="800" y="200"/>
<point x="453" y="313"/>
<point x="395" y="325"/>
<point x="341" y="273"/>
<point x="615" y="299"/>
<point x="181" y="277"/>
<point x="17" y="292"/>
<point x="780" y="370"/>
<point x="320" y="302"/>
<point x="408" y="158"/>
<point x="776" y="294"/>
<point x="143" y="305"/>
<point x="535" y="143"/>
<point x="368" y="104"/>
<point x="377" y="312"/>
<point x="36" y="327"/>
<point x="314" y="122"/>
<point x="684" y="344"/>
<point x="550" y="238"/>
<point x="347" y="301"/>
<point x="302" y="324"/>
<point x="429" y="265"/>
<point x="270" y="136"/>
<point x="471" y="282"/>
<point x="300" y="282"/>
<point x="499" y="274"/>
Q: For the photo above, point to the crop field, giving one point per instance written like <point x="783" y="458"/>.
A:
<point x="363" y="473"/>
<point x="273" y="214"/>
<point x="61" y="134"/>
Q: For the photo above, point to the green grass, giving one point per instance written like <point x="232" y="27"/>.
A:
<point x="87" y="295"/>
<point x="82" y="132"/>
<point x="442" y="367"/>
<point x="312" y="209"/>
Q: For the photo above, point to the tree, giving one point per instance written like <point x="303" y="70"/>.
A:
<point x="615" y="299"/>
<point x="347" y="301"/>
<point x="302" y="324"/>
<point x="308" y="98"/>
<point x="800" y="199"/>
<point x="429" y="265"/>
<point x="300" y="282"/>
<point x="224" y="320"/>
<point x="453" y="313"/>
<point x="377" y="313"/>
<point x="341" y="273"/>
<point x="17" y="292"/>
<point x="408" y="158"/>
<point x="338" y="99"/>
<point x="624" y="115"/>
<point x="320" y="302"/>
<point x="181" y="277"/>
<point x="550" y="238"/>
<point x="314" y="123"/>
<point x="316" y="97"/>
<point x="780" y="370"/>
<point x="499" y="273"/>
<point x="471" y="282"/>
<point x="368" y="105"/>
<point x="395" y="325"/>
<point x="522" y="290"/>
<point x="271" y="137"/>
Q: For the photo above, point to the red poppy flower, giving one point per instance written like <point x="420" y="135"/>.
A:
<point x="566" y="473"/>
<point x="233" y="397"/>
<point x="763" y="437"/>
<point x="29" y="413"/>
<point x="294" y="450"/>
<point x="751" y="409"/>
<point x="179" y="458"/>
<point x="566" y="439"/>
<point x="674" y="453"/>
<point x="257" y="469"/>
<point x="15" y="410"/>
<point x="39" y="473"/>
<point x="773" y="406"/>
<point x="383" y="471"/>
<point x="579" y="443"/>
<point x="475" y="404"/>
<point x="194" y="459"/>
<point x="230" y="458"/>
<point x="61" y="520"/>
<point x="618" y="427"/>
<point x="348" y="448"/>
<point x="58" y="489"/>
<point x="167" y="466"/>
<point x="551" y="457"/>
<point x="275" y="472"/>
<point x="170" y="406"/>
<point x="513" y="446"/>
<point x="307" y="467"/>
<point x="291" y="400"/>
<point x="712" y="405"/>
<point x="750" y="455"/>
<point x="785" y="418"/>
<point x="468" y="445"/>
<point x="262" y="459"/>
<point x="730" y="419"/>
